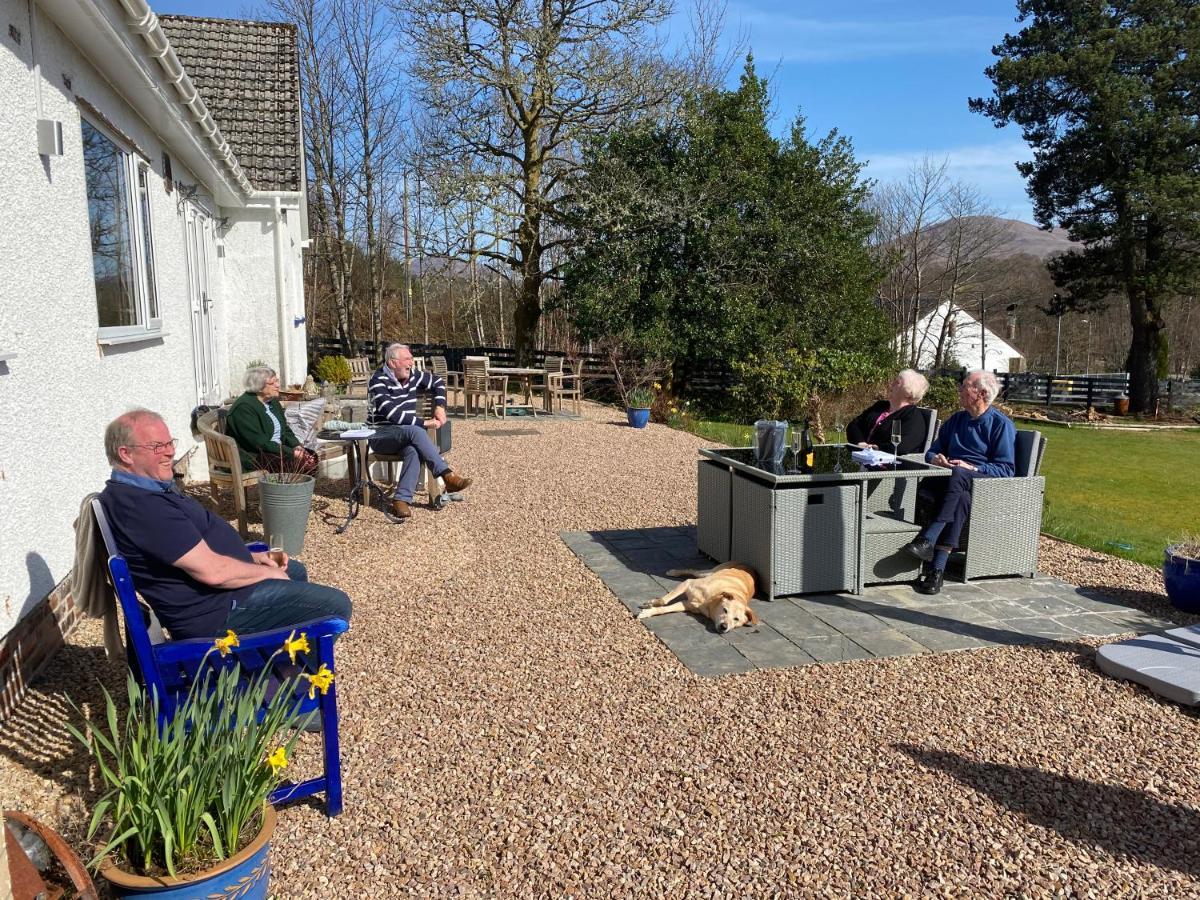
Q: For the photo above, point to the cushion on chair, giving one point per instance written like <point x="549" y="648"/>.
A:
<point x="1167" y="667"/>
<point x="1027" y="452"/>
<point x="302" y="418"/>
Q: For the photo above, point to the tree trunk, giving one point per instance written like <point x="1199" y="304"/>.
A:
<point x="1149" y="341"/>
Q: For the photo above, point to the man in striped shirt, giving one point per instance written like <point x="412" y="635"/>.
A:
<point x="400" y="431"/>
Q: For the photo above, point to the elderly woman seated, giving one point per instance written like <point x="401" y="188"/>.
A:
<point x="873" y="426"/>
<point x="256" y="421"/>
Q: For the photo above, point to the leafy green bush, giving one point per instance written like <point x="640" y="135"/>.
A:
<point x="942" y="396"/>
<point x="795" y="384"/>
<point x="334" y="369"/>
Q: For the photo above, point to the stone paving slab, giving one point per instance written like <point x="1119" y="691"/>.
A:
<point x="883" y="621"/>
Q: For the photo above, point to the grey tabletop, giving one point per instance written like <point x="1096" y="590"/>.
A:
<point x="831" y="463"/>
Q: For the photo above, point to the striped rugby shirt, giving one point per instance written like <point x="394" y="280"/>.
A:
<point x="395" y="403"/>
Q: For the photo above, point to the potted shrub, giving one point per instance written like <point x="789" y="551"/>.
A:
<point x="637" y="406"/>
<point x="333" y="370"/>
<point x="185" y="809"/>
<point x="1181" y="575"/>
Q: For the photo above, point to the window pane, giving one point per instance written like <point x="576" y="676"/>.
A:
<point x="147" y="241"/>
<point x="108" y="217"/>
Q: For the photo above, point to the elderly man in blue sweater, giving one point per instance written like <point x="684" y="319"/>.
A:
<point x="978" y="441"/>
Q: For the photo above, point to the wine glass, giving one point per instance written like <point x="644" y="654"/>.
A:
<point x="795" y="447"/>
<point x="896" y="434"/>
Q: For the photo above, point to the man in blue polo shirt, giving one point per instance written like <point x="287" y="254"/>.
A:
<point x="189" y="564"/>
<point x="978" y="441"/>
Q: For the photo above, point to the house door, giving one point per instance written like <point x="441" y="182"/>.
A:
<point x="200" y="251"/>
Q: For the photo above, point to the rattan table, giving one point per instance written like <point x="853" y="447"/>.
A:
<point x="832" y="529"/>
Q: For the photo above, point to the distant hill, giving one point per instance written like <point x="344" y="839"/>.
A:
<point x="1024" y="238"/>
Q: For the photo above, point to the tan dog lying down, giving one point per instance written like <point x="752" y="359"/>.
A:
<point x="723" y="594"/>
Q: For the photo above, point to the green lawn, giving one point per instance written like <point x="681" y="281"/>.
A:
<point x="1128" y="493"/>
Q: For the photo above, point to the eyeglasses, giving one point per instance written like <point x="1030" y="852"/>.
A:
<point x="156" y="447"/>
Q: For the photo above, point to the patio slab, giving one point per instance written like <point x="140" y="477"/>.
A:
<point x="884" y="621"/>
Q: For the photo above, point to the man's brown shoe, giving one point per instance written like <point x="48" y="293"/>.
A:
<point x="456" y="483"/>
<point x="400" y="509"/>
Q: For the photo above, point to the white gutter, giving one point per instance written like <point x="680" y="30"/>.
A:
<point x="280" y="296"/>
<point x="145" y="22"/>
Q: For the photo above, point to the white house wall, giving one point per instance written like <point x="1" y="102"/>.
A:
<point x="62" y="388"/>
<point x="248" y="284"/>
<point x="964" y="346"/>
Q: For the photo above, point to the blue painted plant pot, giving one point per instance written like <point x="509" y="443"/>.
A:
<point x="1181" y="576"/>
<point x="637" y="417"/>
<point x="244" y="876"/>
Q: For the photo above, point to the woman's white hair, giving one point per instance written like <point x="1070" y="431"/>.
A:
<point x="914" y="383"/>
<point x="257" y="378"/>
<point x="988" y="383"/>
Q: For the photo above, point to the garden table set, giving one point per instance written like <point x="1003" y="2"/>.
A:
<point x="831" y="528"/>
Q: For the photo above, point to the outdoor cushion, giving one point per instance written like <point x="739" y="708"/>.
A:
<point x="1027" y="452"/>
<point x="1167" y="667"/>
<point x="302" y="418"/>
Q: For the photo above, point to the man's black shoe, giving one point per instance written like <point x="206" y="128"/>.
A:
<point x="930" y="582"/>
<point x="921" y="549"/>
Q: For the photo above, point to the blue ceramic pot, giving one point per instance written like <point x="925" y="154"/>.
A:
<point x="1181" y="576"/>
<point x="244" y="876"/>
<point x="637" y="417"/>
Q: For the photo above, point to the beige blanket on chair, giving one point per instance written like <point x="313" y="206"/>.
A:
<point x="89" y="579"/>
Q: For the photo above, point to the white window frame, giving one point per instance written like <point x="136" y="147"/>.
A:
<point x="141" y="250"/>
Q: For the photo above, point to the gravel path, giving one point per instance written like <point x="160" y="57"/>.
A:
<point x="509" y="731"/>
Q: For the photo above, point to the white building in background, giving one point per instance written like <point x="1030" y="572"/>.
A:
<point x="152" y="216"/>
<point x="968" y="343"/>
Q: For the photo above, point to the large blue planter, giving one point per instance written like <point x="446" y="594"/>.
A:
<point x="244" y="876"/>
<point x="1181" y="576"/>
<point x="637" y="417"/>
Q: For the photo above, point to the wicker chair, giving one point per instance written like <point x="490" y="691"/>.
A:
<point x="480" y="384"/>
<point x="1001" y="534"/>
<point x="225" y="466"/>
<point x="563" y="383"/>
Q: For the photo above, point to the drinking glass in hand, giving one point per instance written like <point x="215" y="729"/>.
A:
<point x="896" y="441"/>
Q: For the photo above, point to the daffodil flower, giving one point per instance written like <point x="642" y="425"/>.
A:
<point x="277" y="761"/>
<point x="227" y="643"/>
<point x="657" y="386"/>
<point x="294" y="645"/>
<point x="319" y="682"/>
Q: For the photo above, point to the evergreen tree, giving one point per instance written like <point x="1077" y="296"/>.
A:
<point x="1105" y="92"/>
<point x="707" y="240"/>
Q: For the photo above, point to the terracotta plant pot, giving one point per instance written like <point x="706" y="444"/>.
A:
<point x="244" y="875"/>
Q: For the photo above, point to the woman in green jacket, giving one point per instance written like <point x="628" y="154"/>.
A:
<point x="256" y="421"/>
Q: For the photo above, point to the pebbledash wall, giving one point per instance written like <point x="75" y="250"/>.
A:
<point x="59" y="386"/>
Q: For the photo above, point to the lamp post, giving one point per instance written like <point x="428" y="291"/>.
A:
<point x="1087" y="366"/>
<point x="1057" y="342"/>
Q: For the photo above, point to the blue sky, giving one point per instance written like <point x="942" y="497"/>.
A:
<point x="892" y="75"/>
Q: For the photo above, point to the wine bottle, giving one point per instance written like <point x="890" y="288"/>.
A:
<point x="806" y="448"/>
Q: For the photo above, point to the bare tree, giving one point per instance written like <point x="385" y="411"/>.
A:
<point x="517" y="84"/>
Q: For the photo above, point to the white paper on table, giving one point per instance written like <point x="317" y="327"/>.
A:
<point x="870" y="457"/>
<point x="359" y="433"/>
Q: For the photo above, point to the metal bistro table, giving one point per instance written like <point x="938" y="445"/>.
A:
<point x="833" y="529"/>
<point x="526" y="376"/>
<point x="358" y="474"/>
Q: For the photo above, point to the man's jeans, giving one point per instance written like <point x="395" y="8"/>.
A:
<point x="412" y="444"/>
<point x="281" y="604"/>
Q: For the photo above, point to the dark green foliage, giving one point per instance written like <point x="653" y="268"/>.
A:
<point x="942" y="396"/>
<point x="1105" y="93"/>
<point x="706" y="240"/>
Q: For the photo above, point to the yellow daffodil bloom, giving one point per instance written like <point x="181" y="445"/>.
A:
<point x="657" y="386"/>
<point x="277" y="761"/>
<point x="294" y="645"/>
<point x="319" y="682"/>
<point x="227" y="643"/>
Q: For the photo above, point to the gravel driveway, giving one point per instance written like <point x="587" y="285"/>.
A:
<point x="508" y="730"/>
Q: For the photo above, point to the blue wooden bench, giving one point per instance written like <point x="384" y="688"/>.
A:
<point x="169" y="667"/>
